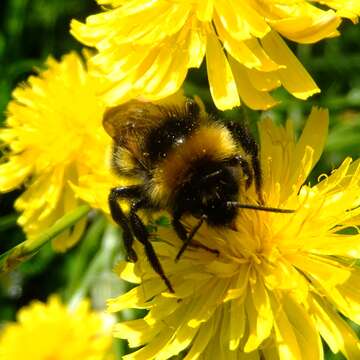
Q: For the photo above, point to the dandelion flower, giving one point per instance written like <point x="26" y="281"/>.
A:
<point x="53" y="331"/>
<point x="145" y="47"/>
<point x="281" y="282"/>
<point x="53" y="137"/>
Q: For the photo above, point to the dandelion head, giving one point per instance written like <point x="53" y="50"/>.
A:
<point x="51" y="330"/>
<point x="145" y="48"/>
<point x="281" y="282"/>
<point x="53" y="137"/>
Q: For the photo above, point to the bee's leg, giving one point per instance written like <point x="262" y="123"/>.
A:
<point x="241" y="134"/>
<point x="182" y="234"/>
<point x="120" y="218"/>
<point x="142" y="235"/>
<point x="178" y="225"/>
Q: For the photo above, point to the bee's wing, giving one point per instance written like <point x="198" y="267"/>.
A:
<point x="130" y="122"/>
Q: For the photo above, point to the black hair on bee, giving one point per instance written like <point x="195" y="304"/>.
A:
<point x="186" y="162"/>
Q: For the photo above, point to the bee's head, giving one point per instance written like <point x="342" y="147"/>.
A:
<point x="207" y="192"/>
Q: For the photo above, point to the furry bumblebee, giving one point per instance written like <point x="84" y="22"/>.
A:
<point x="187" y="163"/>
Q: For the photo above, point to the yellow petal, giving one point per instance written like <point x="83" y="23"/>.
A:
<point x="184" y="335"/>
<point x="152" y="349"/>
<point x="204" y="10"/>
<point x="337" y="245"/>
<point x="13" y="173"/>
<point x="350" y="294"/>
<point x="126" y="271"/>
<point x="204" y="306"/>
<point x="136" y="297"/>
<point x="287" y="343"/>
<point x="197" y="47"/>
<point x="254" y="21"/>
<point x="241" y="20"/>
<point x="305" y="29"/>
<point x="322" y="269"/>
<point x="201" y="341"/>
<point x="164" y="307"/>
<point x="221" y="80"/>
<point x="252" y="97"/>
<point x="138" y="332"/>
<point x="237" y="323"/>
<point x="304" y="329"/>
<point x="156" y="71"/>
<point x="334" y="330"/>
<point x="263" y="81"/>
<point x="267" y="64"/>
<point x="237" y="49"/>
<point x="294" y="77"/>
<point x="239" y="286"/>
<point x="173" y="78"/>
<point x="348" y="9"/>
<point x="314" y="135"/>
<point x="231" y="21"/>
<point x="260" y="315"/>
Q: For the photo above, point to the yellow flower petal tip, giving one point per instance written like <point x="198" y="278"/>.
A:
<point x="52" y="330"/>
<point x="305" y="95"/>
<point x="145" y="48"/>
<point x="54" y="133"/>
<point x="281" y="282"/>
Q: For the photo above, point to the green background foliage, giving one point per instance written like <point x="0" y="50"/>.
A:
<point x="32" y="30"/>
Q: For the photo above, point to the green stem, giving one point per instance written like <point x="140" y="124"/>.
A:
<point x="28" y="248"/>
<point x="85" y="252"/>
<point x="102" y="261"/>
<point x="8" y="221"/>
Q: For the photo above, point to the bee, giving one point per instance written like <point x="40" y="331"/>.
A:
<point x="186" y="162"/>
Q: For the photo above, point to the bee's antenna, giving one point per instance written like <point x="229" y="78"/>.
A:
<point x="236" y="204"/>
